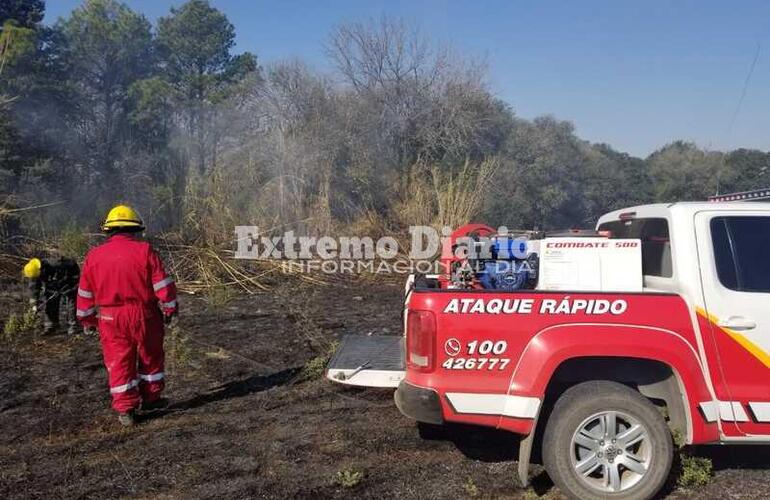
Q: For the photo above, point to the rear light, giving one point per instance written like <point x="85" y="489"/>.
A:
<point x="420" y="340"/>
<point x="627" y="216"/>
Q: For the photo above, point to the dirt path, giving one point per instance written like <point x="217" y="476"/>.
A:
<point x="245" y="425"/>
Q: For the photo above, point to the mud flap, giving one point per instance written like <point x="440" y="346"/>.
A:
<point x="368" y="361"/>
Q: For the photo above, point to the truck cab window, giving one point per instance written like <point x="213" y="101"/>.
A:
<point x="656" y="244"/>
<point x="740" y="251"/>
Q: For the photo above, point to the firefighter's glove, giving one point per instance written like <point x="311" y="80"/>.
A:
<point x="89" y="330"/>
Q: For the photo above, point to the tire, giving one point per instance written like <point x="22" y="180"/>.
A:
<point x="581" y="457"/>
<point x="431" y="432"/>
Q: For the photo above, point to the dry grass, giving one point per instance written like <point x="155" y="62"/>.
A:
<point x="218" y="297"/>
<point x="459" y="196"/>
<point x="199" y="267"/>
<point x="179" y="352"/>
<point x="438" y="196"/>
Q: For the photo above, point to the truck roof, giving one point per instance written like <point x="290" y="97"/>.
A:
<point x="682" y="208"/>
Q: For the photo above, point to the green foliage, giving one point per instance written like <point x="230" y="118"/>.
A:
<point x="108" y="47"/>
<point x="542" y="176"/>
<point x="681" y="171"/>
<point x="612" y="180"/>
<point x="151" y="112"/>
<point x="108" y="40"/>
<point x="73" y="242"/>
<point x="15" y="41"/>
<point x="12" y="153"/>
<point x="196" y="40"/>
<point x="17" y="325"/>
<point x="678" y="437"/>
<point x="100" y="108"/>
<point x="744" y="170"/>
<point x="696" y="471"/>
<point x="471" y="488"/>
<point x="349" y="477"/>
<point x="315" y="367"/>
<point x="194" y="43"/>
<point x="25" y="13"/>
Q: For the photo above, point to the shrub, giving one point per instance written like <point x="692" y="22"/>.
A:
<point x="219" y="297"/>
<point x="315" y="367"/>
<point x="696" y="471"/>
<point x="179" y="352"/>
<point x="19" y="324"/>
<point x="471" y="489"/>
<point x="349" y="478"/>
<point x="73" y="242"/>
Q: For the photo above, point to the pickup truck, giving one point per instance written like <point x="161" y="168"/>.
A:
<point x="603" y="382"/>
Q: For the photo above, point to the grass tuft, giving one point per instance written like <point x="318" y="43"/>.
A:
<point x="18" y="325"/>
<point x="349" y="477"/>
<point x="218" y="297"/>
<point x="315" y="367"/>
<point x="696" y="471"/>
<point x="471" y="488"/>
<point x="179" y="352"/>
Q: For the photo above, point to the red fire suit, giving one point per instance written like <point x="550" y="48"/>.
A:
<point x="125" y="290"/>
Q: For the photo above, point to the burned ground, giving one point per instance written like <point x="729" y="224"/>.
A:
<point x="252" y="419"/>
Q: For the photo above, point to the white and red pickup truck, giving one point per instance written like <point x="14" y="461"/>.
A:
<point x="607" y="377"/>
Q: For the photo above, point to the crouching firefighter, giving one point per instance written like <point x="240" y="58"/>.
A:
<point x="51" y="286"/>
<point x="127" y="293"/>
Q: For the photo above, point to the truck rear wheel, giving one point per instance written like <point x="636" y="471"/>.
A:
<point x="605" y="440"/>
<point x="431" y="432"/>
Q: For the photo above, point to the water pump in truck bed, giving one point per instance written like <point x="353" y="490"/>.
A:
<point x="488" y="260"/>
<point x="511" y="266"/>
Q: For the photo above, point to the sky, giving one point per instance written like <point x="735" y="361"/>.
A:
<point x="635" y="75"/>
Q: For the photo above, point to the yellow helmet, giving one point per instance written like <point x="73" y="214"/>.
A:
<point x="32" y="268"/>
<point x="122" y="216"/>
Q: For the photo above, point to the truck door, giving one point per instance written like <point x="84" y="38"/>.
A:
<point x="734" y="257"/>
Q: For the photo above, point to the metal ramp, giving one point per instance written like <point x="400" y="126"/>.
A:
<point x="368" y="361"/>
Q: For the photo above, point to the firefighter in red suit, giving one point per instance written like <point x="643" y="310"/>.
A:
<point x="125" y="291"/>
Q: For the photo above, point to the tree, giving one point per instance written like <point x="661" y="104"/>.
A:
<point x="18" y="22"/>
<point x="612" y="180"/>
<point x="744" y="170"/>
<point x="25" y="13"/>
<point x="417" y="100"/>
<point x="195" y="43"/>
<point x="539" y="183"/>
<point x="107" y="47"/>
<point x="681" y="172"/>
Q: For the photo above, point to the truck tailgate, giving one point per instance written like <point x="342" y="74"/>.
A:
<point x="368" y="361"/>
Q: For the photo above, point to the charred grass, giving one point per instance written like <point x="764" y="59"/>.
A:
<point x="252" y="417"/>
